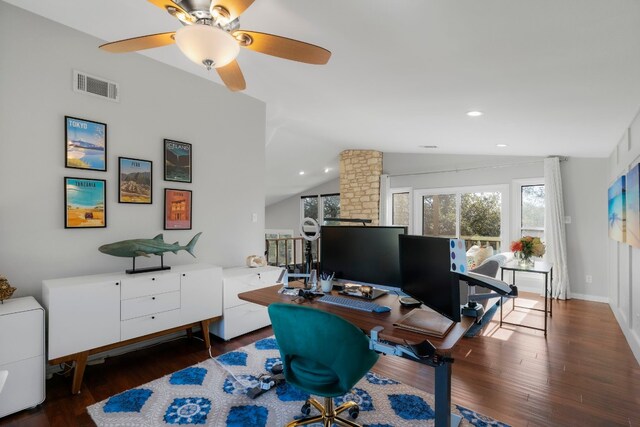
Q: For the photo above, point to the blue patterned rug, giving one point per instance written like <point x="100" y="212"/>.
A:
<point x="212" y="393"/>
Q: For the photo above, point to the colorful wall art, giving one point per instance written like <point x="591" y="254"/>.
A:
<point x="177" y="209"/>
<point x="84" y="201"/>
<point x="633" y="206"/>
<point x="135" y="180"/>
<point x="85" y="144"/>
<point x="177" y="161"/>
<point x="617" y="207"/>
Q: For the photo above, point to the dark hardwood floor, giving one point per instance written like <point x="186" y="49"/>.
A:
<point x="582" y="374"/>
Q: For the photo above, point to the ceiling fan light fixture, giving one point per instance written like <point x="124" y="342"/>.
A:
<point x="180" y="15"/>
<point x="207" y="45"/>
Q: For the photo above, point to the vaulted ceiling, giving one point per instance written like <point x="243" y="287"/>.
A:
<point x="550" y="76"/>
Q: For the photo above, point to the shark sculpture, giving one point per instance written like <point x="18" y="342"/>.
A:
<point x="145" y="247"/>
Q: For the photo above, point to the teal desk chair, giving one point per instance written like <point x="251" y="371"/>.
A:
<point x="322" y="354"/>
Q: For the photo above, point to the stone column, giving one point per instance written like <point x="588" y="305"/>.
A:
<point x="360" y="172"/>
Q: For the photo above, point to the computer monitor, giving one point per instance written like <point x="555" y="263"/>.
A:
<point x="366" y="254"/>
<point x="426" y="274"/>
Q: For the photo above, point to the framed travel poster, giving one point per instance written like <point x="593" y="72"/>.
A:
<point x="177" y="209"/>
<point x="617" y="210"/>
<point x="85" y="144"/>
<point x="84" y="203"/>
<point x="177" y="161"/>
<point x="134" y="181"/>
<point x="633" y="206"/>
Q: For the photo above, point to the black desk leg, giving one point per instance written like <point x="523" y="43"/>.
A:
<point x="444" y="417"/>
<point x="546" y="294"/>
<point x="551" y="292"/>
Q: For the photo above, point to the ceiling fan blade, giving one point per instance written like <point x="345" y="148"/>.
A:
<point x="232" y="76"/>
<point x="283" y="47"/>
<point x="139" y="43"/>
<point x="234" y="7"/>
<point x="173" y="9"/>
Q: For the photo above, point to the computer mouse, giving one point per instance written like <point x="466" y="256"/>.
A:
<point x="381" y="309"/>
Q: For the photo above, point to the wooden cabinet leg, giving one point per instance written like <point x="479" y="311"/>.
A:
<point x="205" y="332"/>
<point x="78" y="372"/>
<point x="189" y="333"/>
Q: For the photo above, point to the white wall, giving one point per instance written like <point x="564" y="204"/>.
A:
<point x="157" y="101"/>
<point x="624" y="260"/>
<point x="286" y="214"/>
<point x="582" y="179"/>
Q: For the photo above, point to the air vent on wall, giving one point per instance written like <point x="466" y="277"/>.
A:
<point x="96" y="86"/>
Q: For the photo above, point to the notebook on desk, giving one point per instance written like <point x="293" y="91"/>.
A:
<point x="425" y="322"/>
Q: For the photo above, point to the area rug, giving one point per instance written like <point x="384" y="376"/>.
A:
<point x="213" y="393"/>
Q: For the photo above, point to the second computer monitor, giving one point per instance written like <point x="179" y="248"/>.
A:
<point x="426" y="274"/>
<point x="362" y="254"/>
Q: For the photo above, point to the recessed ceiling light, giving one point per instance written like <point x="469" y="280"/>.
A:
<point x="428" y="146"/>
<point x="326" y="170"/>
<point x="301" y="173"/>
<point x="501" y="145"/>
<point x="474" y="113"/>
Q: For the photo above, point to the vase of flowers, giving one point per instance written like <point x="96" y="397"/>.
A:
<point x="527" y="247"/>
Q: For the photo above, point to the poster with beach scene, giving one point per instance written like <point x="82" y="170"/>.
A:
<point x="84" y="201"/>
<point x="633" y="206"/>
<point x="177" y="161"/>
<point x="177" y="209"/>
<point x="617" y="206"/>
<point x="85" y="144"/>
<point x="135" y="178"/>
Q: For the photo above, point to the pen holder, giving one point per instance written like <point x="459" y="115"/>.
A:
<point x="326" y="285"/>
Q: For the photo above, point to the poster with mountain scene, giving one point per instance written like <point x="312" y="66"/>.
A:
<point x="135" y="180"/>
<point x="177" y="161"/>
<point x="85" y="144"/>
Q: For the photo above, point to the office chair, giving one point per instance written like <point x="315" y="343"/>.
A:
<point x="313" y="362"/>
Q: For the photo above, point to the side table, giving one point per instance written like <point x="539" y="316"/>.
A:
<point x="540" y="267"/>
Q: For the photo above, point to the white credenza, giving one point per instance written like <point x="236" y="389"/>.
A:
<point x="21" y="354"/>
<point x="92" y="314"/>
<point x="238" y="316"/>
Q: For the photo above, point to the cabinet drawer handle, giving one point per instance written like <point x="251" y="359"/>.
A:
<point x="153" y="317"/>
<point x="117" y="283"/>
<point x="153" y="278"/>
<point x="184" y="275"/>
<point x="153" y="298"/>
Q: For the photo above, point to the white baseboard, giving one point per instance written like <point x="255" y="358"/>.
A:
<point x="594" y="298"/>
<point x="632" y="337"/>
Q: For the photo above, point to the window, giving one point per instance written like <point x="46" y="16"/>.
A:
<point x="476" y="214"/>
<point x="330" y="208"/>
<point x="532" y="210"/>
<point x="309" y="205"/>
<point x="400" y="208"/>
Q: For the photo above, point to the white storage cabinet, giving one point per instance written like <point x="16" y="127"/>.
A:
<point x="21" y="354"/>
<point x="89" y="314"/>
<point x="240" y="317"/>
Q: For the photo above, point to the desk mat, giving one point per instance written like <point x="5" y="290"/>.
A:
<point x="212" y="393"/>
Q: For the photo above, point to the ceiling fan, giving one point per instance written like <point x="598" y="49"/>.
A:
<point x="211" y="36"/>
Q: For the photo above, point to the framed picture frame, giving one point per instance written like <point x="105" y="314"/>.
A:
<point x="177" y="209"/>
<point x="85" y="203"/>
<point x="85" y="144"/>
<point x="177" y="161"/>
<point x="135" y="181"/>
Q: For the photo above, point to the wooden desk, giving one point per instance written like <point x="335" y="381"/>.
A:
<point x="367" y="321"/>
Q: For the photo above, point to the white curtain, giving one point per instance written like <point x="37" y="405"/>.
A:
<point x="555" y="234"/>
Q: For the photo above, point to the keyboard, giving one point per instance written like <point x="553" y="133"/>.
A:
<point x="355" y="304"/>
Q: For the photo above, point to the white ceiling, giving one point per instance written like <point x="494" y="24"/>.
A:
<point x="551" y="76"/>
